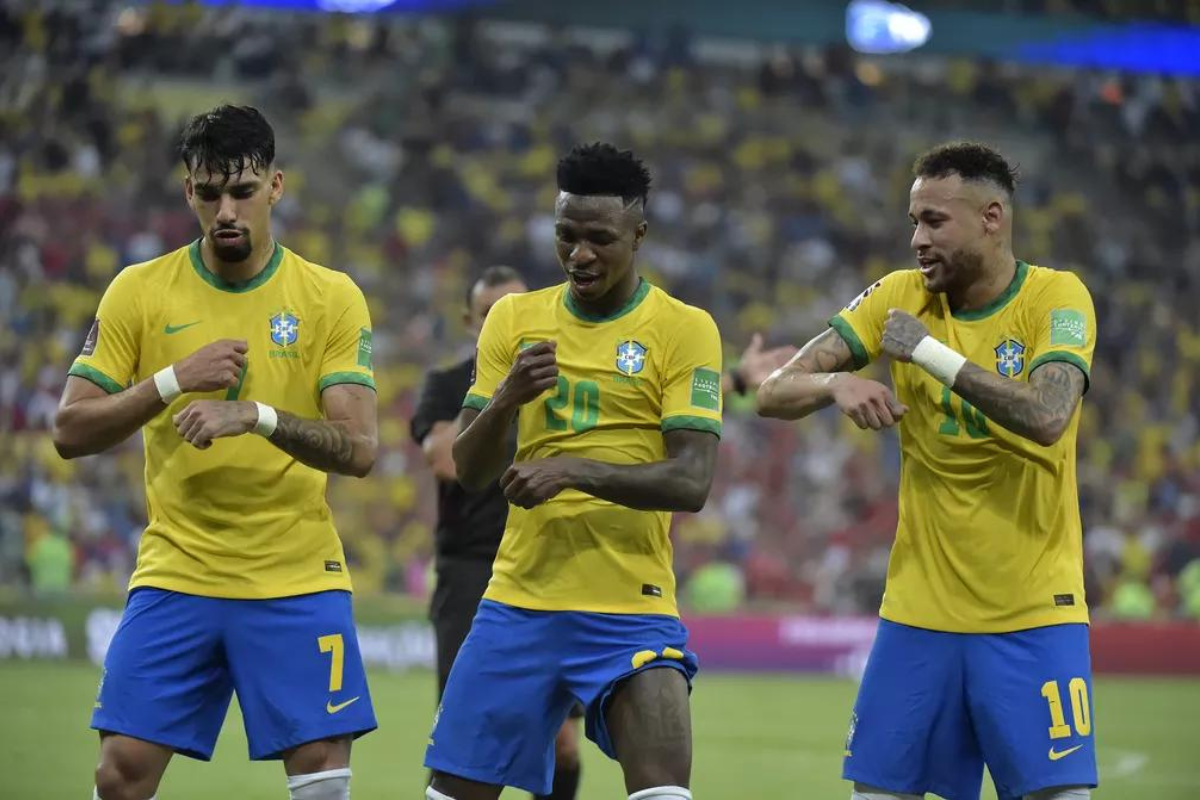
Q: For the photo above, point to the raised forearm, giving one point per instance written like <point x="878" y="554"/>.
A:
<point x="327" y="445"/>
<point x="794" y="394"/>
<point x="481" y="450"/>
<point x="674" y="484"/>
<point x="92" y="425"/>
<point x="1039" y="411"/>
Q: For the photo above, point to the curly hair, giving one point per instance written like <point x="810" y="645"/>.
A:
<point x="601" y="169"/>
<point x="970" y="160"/>
<point x="227" y="140"/>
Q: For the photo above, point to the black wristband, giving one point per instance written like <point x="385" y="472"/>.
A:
<point x="739" y="383"/>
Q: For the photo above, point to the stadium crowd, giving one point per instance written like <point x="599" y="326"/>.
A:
<point x="417" y="152"/>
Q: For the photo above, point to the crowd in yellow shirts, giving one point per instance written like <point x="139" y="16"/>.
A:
<point x="419" y="152"/>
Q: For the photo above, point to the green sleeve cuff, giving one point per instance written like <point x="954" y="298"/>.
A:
<point x="846" y="331"/>
<point x="476" y="401"/>
<point x="1066" y="358"/>
<point x="335" y="378"/>
<point x="95" y="376"/>
<point x="692" y="424"/>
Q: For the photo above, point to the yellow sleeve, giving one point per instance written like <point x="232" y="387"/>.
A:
<point x="1064" y="325"/>
<point x="111" y="351"/>
<point x="861" y="322"/>
<point x="692" y="377"/>
<point x="493" y="355"/>
<point x="347" y="356"/>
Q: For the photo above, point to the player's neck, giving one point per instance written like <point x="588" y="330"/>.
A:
<point x="998" y="275"/>
<point x="238" y="271"/>
<point x="612" y="302"/>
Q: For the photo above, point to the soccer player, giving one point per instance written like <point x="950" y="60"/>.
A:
<point x="982" y="652"/>
<point x="616" y="389"/>
<point x="248" y="370"/>
<point x="470" y="524"/>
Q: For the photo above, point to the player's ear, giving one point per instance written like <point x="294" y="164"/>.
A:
<point x="276" y="187"/>
<point x="993" y="216"/>
<point x="189" y="192"/>
<point x="639" y="233"/>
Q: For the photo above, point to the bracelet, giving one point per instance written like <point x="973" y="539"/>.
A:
<point x="167" y="384"/>
<point x="739" y="383"/>
<point x="938" y="360"/>
<point x="267" y="419"/>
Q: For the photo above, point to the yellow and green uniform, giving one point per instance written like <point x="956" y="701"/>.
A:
<point x="624" y="380"/>
<point x="989" y="537"/>
<point x="241" y="519"/>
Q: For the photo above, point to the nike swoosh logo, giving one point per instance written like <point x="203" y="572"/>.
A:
<point x="177" y="328"/>
<point x="332" y="709"/>
<point x="1054" y="755"/>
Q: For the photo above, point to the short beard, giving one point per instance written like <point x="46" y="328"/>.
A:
<point x="233" y="254"/>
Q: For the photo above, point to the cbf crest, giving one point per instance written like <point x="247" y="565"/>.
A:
<point x="631" y="357"/>
<point x="285" y="329"/>
<point x="1010" y="358"/>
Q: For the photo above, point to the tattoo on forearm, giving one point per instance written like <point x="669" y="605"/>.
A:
<point x="319" y="443"/>
<point x="1031" y="409"/>
<point x="826" y="353"/>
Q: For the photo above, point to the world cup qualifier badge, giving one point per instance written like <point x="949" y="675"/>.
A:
<point x="93" y="338"/>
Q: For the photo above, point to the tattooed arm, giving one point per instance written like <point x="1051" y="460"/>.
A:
<point x="1039" y="410"/>
<point x="345" y="441"/>
<point x="816" y="377"/>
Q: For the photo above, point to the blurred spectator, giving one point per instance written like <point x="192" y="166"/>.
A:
<point x="418" y="151"/>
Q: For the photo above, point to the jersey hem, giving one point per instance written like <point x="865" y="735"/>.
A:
<point x="198" y="590"/>
<point x="848" y="334"/>
<point x="1065" y="357"/>
<point x="337" y="378"/>
<point x="89" y="373"/>
<point x="529" y="603"/>
<point x="1041" y="621"/>
<point x="690" y="423"/>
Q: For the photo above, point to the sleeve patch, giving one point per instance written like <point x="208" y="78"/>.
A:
<point x="93" y="338"/>
<point x="364" y="348"/>
<point x="1068" y="327"/>
<point x="706" y="389"/>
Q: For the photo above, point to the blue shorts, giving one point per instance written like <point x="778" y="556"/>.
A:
<point x="177" y="658"/>
<point x="934" y="707"/>
<point x="517" y="676"/>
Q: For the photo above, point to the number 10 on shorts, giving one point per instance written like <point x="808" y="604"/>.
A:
<point x="1080" y="709"/>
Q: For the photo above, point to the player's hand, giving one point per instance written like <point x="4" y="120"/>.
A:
<point x="534" y="371"/>
<point x="205" y="420"/>
<point x="213" y="367"/>
<point x="901" y="334"/>
<point x="531" y="483"/>
<point x="758" y="363"/>
<point x="869" y="403"/>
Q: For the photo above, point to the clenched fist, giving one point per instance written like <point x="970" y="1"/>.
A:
<point x="213" y="367"/>
<point x="534" y="371"/>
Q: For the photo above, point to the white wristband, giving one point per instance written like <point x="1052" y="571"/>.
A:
<point x="167" y="384"/>
<point x="267" y="419"/>
<point x="938" y="360"/>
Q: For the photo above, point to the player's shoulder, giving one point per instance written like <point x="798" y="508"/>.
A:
<point x="330" y="283"/>
<point x="669" y="311"/>
<point x="896" y="285"/>
<point x="142" y="276"/>
<point x="533" y="300"/>
<point x="1047" y="282"/>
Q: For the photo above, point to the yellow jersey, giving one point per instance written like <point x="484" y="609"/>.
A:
<point x="624" y="380"/>
<point x="241" y="519"/>
<point x="989" y="538"/>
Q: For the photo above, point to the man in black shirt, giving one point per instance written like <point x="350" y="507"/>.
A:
<point x="470" y="524"/>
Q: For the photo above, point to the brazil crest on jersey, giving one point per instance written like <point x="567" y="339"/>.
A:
<point x="242" y="518"/>
<point x="624" y="380"/>
<point x="989" y="538"/>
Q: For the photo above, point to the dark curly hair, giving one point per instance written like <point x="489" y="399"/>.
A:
<point x="227" y="140"/>
<point x="970" y="160"/>
<point x="601" y="169"/>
